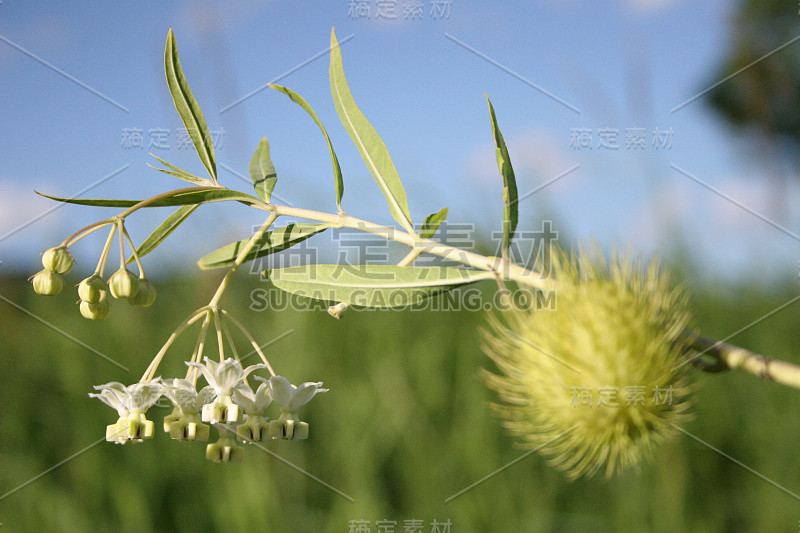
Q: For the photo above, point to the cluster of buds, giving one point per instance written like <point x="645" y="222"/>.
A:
<point x="228" y="404"/>
<point x="93" y="291"/>
<point x="49" y="281"/>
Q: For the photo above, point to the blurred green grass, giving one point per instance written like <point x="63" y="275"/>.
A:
<point x="405" y="426"/>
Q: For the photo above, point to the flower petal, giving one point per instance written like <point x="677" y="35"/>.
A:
<point x="244" y="397"/>
<point x="263" y="397"/>
<point x="304" y="393"/>
<point x="281" y="391"/>
<point x="207" y="373"/>
<point x="228" y="375"/>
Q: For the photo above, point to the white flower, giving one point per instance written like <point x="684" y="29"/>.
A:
<point x="225" y="376"/>
<point x="182" y="394"/>
<point x="253" y="403"/>
<point x="134" y="399"/>
<point x="131" y="403"/>
<point x="289" y="397"/>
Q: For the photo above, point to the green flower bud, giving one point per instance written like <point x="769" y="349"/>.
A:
<point x="145" y="295"/>
<point x="289" y="429"/>
<point x="189" y="428"/>
<point x="93" y="289"/>
<point x="132" y="428"/>
<point x="123" y="283"/>
<point x="586" y="384"/>
<point x="254" y="429"/>
<point x="98" y="311"/>
<point x="225" y="450"/>
<point x="57" y="260"/>
<point x="174" y="416"/>
<point x="221" y="411"/>
<point x="47" y="283"/>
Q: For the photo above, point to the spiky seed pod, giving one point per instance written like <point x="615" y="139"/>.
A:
<point x="145" y="295"/>
<point x="598" y="382"/>
<point x="98" y="311"/>
<point x="93" y="289"/>
<point x="123" y="283"/>
<point x="57" y="260"/>
<point x="47" y="283"/>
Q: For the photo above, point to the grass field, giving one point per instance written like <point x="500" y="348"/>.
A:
<point x="405" y="426"/>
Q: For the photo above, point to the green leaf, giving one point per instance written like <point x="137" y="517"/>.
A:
<point x="432" y="223"/>
<point x="180" y="173"/>
<point x="183" y="198"/>
<point x="510" y="199"/>
<point x="337" y="170"/>
<point x="272" y="242"/>
<point x="372" y="285"/>
<point x="262" y="171"/>
<point x="163" y="230"/>
<point x="187" y="107"/>
<point x="368" y="142"/>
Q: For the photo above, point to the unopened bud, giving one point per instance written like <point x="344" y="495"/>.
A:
<point x="123" y="283"/>
<point x="93" y="289"/>
<point x="145" y="295"/>
<point x="47" y="283"/>
<point x="98" y="311"/>
<point x="57" y="260"/>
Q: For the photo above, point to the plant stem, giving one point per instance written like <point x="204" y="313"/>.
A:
<point x="729" y="356"/>
<point x="151" y="370"/>
<point x="505" y="268"/>
<point x="241" y="257"/>
<point x="101" y="263"/>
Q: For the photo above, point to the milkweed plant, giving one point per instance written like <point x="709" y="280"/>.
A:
<point x="621" y="329"/>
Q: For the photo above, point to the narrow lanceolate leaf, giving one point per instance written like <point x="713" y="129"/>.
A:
<point x="432" y="223"/>
<point x="163" y="230"/>
<point x="338" y="183"/>
<point x="510" y="199"/>
<point x="368" y="142"/>
<point x="188" y="108"/>
<point x="184" y="198"/>
<point x="372" y="285"/>
<point x="180" y="173"/>
<point x="262" y="171"/>
<point x="272" y="242"/>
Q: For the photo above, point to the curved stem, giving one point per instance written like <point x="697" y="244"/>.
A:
<point x="161" y="196"/>
<point x="250" y="338"/>
<point x="121" y="246"/>
<point x="197" y="354"/>
<point x="241" y="257"/>
<point x="85" y="232"/>
<point x="133" y="252"/>
<point x="151" y="370"/>
<point x="101" y="263"/>
<point x="229" y="338"/>
<point x="218" y="328"/>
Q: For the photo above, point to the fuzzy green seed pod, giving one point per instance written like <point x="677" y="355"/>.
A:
<point x="598" y="382"/>
<point x="47" y="283"/>
<point x="98" y="311"/>
<point x="57" y="260"/>
<point x="123" y="283"/>
<point x="93" y="289"/>
<point x="145" y="295"/>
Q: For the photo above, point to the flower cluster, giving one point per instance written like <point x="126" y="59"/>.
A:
<point x="228" y="404"/>
<point x="93" y="291"/>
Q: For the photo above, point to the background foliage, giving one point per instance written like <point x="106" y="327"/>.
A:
<point x="405" y="426"/>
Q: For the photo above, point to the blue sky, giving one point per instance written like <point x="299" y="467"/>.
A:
<point x="551" y="68"/>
